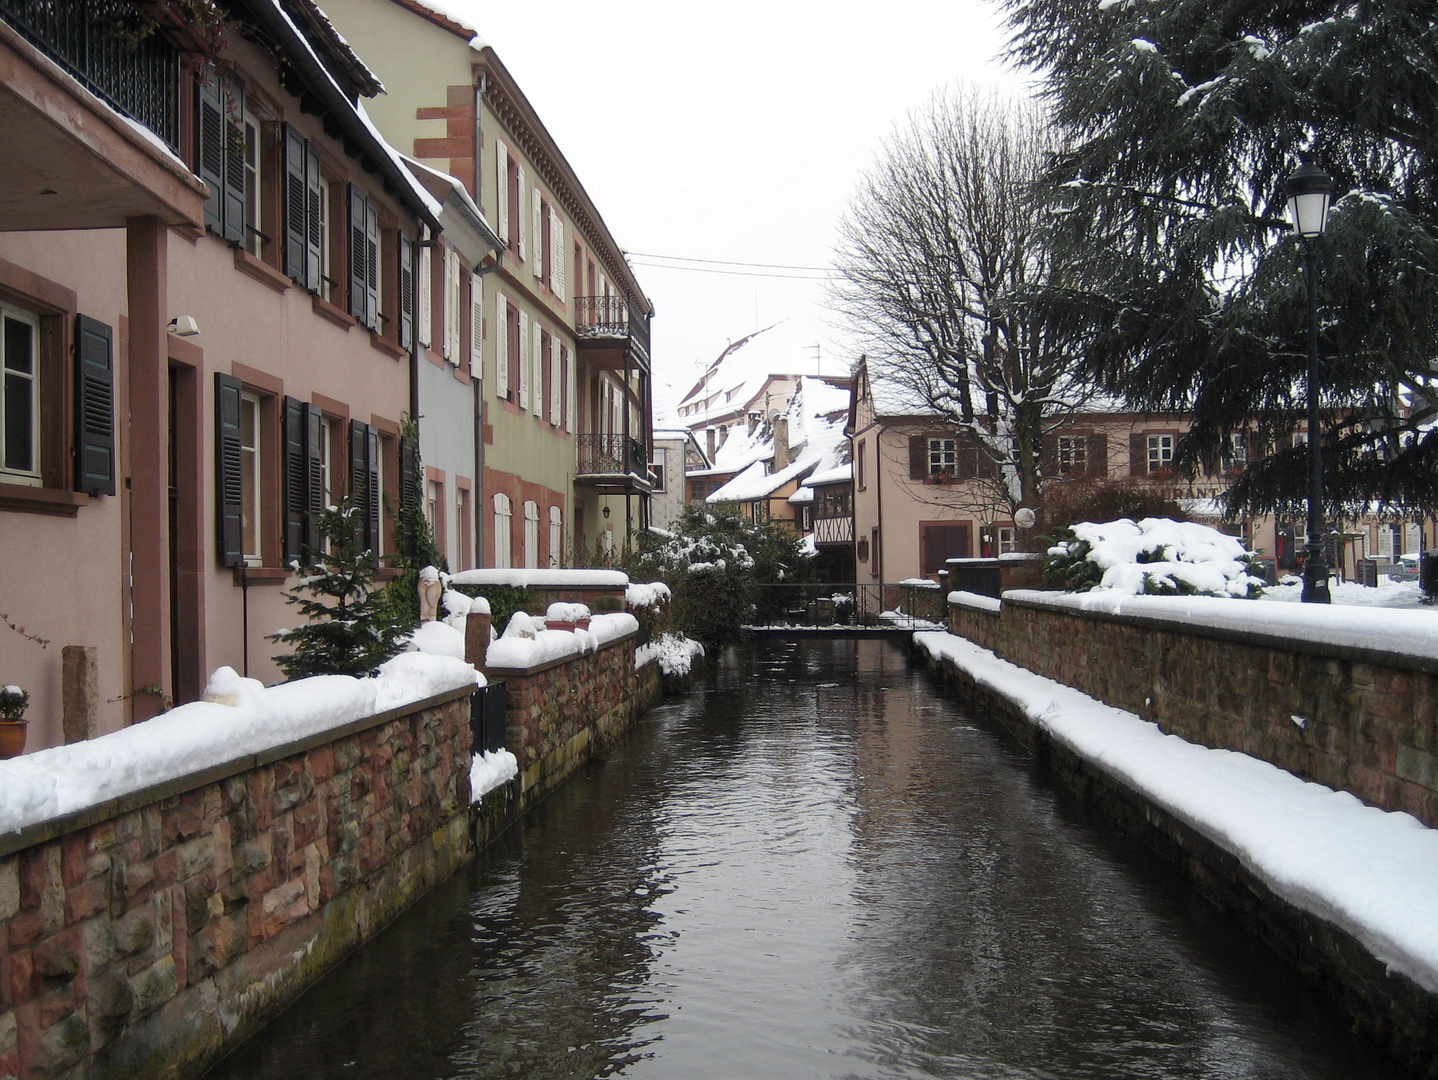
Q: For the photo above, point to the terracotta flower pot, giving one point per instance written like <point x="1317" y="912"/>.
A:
<point x="12" y="737"/>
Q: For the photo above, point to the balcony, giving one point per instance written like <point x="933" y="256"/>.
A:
<point x="613" y="464"/>
<point x="612" y="331"/>
<point x="87" y="38"/>
<point x="833" y="530"/>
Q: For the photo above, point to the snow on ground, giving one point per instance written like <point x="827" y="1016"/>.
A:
<point x="489" y="770"/>
<point x="242" y="717"/>
<point x="1398" y="594"/>
<point x="1371" y="872"/>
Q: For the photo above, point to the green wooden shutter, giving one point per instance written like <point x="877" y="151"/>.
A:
<point x="210" y="146"/>
<point x="296" y="480"/>
<point x="358" y="251"/>
<point x="234" y="175"/>
<point x="296" y="207"/>
<point x="94" y="407"/>
<point x="315" y="470"/>
<point x="406" y="293"/>
<point x="229" y="481"/>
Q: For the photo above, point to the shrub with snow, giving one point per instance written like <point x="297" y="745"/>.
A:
<point x="1156" y="556"/>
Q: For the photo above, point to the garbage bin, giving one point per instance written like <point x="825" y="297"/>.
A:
<point x="1428" y="574"/>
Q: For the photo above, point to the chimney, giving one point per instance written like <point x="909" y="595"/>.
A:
<point x="709" y="443"/>
<point x="753" y="421"/>
<point x="781" y="442"/>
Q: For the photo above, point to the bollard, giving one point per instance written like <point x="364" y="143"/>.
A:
<point x="80" y="692"/>
<point x="476" y="638"/>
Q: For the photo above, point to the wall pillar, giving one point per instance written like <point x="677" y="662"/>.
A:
<point x="148" y="482"/>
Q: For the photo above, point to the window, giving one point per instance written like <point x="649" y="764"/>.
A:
<point x="250" y="478"/>
<point x="220" y="153"/>
<point x="657" y="466"/>
<point x="1160" y="452"/>
<point x="1008" y="537"/>
<point x="1235" y="452"/>
<point x="434" y="513"/>
<point x="943" y="457"/>
<point x="531" y="535"/>
<point x="806" y="519"/>
<point x="20" y="398"/>
<point x="364" y="255"/>
<point x="466" y="526"/>
<point x="759" y="510"/>
<point x="502" y="516"/>
<point x="1300" y="438"/>
<point x="859" y="465"/>
<point x="556" y="535"/>
<point x="254" y="239"/>
<point x="1073" y="455"/>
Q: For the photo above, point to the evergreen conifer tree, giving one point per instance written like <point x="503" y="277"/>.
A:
<point x="348" y="627"/>
<point x="1187" y="289"/>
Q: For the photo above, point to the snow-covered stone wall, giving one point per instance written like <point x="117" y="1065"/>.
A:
<point x="143" y="935"/>
<point x="1356" y="713"/>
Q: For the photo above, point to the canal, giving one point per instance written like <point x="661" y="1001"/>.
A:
<point x="812" y="866"/>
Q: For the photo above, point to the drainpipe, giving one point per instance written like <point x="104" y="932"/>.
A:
<point x="476" y="379"/>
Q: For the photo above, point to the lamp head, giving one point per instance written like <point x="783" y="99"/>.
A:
<point x="1309" y="191"/>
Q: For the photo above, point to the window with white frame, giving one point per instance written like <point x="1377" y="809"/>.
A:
<point x="1160" y="452"/>
<point x="250" y="465"/>
<point x="19" y="398"/>
<point x="661" y="460"/>
<point x="502" y="516"/>
<point x="531" y="535"/>
<point x="943" y="457"/>
<point x="254" y="240"/>
<point x="1008" y="539"/>
<point x="556" y="535"/>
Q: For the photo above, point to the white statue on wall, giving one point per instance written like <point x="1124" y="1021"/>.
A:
<point x="430" y="591"/>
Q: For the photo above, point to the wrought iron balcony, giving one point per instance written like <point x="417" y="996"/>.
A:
<point x="611" y="318"/>
<point x="97" y="42"/>
<point x="611" y="462"/>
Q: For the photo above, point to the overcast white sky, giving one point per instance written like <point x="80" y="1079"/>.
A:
<point x="733" y="132"/>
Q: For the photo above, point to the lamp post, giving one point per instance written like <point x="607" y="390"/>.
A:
<point x="1309" y="192"/>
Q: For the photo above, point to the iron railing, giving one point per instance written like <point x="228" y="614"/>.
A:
<point x="97" y="41"/>
<point x="611" y="317"/>
<point x="610" y="455"/>
<point x="488" y="708"/>
<point x="870" y="604"/>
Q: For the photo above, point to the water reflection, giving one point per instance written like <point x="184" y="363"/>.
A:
<point x="813" y="867"/>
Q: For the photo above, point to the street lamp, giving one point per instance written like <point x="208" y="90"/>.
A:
<point x="1309" y="192"/>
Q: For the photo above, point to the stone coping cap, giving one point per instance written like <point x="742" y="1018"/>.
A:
<point x="493" y="673"/>
<point x="975" y="601"/>
<point x="1297" y="639"/>
<point x="41" y="831"/>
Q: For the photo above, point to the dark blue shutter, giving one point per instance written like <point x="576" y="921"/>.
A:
<point x="94" y="407"/>
<point x="229" y="479"/>
<point x="315" y="195"/>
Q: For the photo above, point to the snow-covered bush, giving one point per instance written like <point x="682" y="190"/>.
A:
<point x="1156" y="556"/>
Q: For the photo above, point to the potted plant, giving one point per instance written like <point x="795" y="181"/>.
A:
<point x="13" y="701"/>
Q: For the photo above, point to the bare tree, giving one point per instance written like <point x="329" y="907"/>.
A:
<point x="941" y="239"/>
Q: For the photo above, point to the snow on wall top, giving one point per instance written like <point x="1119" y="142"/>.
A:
<point x="549" y="646"/>
<point x="545" y="578"/>
<point x="48" y="783"/>
<point x="1406" y="632"/>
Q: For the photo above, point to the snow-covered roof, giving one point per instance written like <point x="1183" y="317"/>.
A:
<point x="802" y="497"/>
<point x="755" y="483"/>
<point x="839" y="475"/>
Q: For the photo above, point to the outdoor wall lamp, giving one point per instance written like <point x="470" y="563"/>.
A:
<point x="605" y="512"/>
<point x="183" y="326"/>
<point x="1309" y="191"/>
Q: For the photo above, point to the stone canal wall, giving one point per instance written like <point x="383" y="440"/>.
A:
<point x="140" y="937"/>
<point x="564" y="712"/>
<point x="1358" y="719"/>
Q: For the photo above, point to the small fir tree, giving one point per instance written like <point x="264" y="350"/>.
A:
<point x="349" y="628"/>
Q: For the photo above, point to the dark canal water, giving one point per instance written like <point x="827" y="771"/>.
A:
<point x="814" y="866"/>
